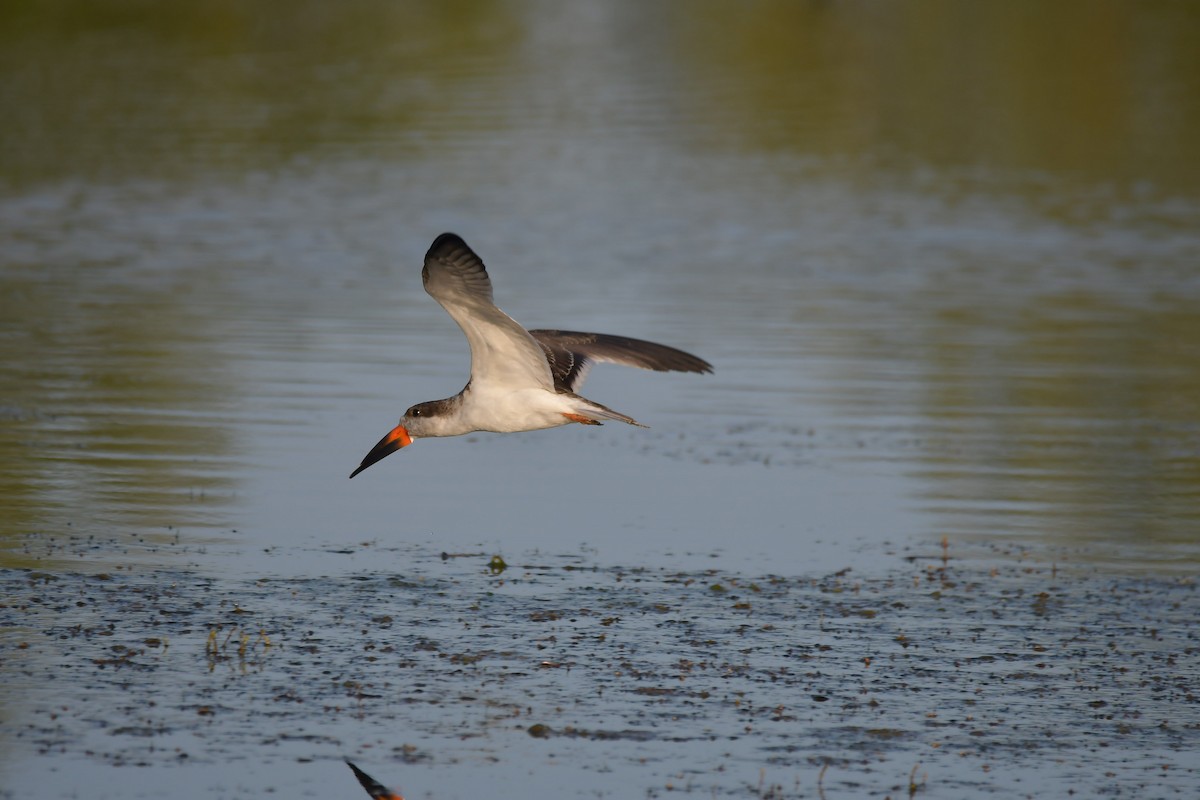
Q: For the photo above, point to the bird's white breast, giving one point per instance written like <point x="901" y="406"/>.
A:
<point x="525" y="409"/>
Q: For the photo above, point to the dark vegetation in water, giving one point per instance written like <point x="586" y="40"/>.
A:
<point x="941" y="680"/>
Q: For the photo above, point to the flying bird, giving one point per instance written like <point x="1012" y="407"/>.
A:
<point x="520" y="380"/>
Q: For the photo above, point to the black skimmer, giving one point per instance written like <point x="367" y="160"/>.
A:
<point x="520" y="380"/>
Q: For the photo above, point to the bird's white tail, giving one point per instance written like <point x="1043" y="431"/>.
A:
<point x="596" y="412"/>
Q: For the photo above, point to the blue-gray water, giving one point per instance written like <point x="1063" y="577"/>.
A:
<point x="944" y="260"/>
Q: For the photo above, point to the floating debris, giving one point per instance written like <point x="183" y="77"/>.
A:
<point x="1085" y="679"/>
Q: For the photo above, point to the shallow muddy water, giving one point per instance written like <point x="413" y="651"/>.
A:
<point x="944" y="261"/>
<point x="558" y="678"/>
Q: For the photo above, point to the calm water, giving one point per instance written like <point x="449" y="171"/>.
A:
<point x="945" y="259"/>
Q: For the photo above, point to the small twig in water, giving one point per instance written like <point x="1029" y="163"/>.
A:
<point x="913" y="786"/>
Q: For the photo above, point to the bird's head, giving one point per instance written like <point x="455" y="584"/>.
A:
<point x="423" y="419"/>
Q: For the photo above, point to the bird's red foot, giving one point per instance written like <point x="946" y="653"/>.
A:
<point x="582" y="420"/>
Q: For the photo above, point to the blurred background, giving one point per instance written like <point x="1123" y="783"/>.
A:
<point x="945" y="257"/>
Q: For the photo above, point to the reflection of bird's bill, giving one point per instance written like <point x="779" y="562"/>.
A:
<point x="396" y="438"/>
<point x="373" y="787"/>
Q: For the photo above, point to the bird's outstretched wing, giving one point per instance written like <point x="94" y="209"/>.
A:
<point x="502" y="352"/>
<point x="572" y="353"/>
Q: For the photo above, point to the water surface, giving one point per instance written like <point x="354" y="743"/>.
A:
<point x="944" y="260"/>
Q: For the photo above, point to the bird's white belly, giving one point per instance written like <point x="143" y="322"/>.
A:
<point x="516" y="410"/>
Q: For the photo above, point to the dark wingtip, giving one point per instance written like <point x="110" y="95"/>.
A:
<point x="674" y="360"/>
<point x="680" y="361"/>
<point x="447" y="242"/>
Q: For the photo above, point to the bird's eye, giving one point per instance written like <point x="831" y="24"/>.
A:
<point x="416" y="411"/>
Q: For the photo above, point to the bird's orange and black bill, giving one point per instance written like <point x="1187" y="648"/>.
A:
<point x="373" y="787"/>
<point x="396" y="438"/>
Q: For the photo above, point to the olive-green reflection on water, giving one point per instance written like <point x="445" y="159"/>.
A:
<point x="1072" y="417"/>
<point x="104" y="89"/>
<point x="1098" y="91"/>
<point x="111" y="407"/>
<point x="605" y="117"/>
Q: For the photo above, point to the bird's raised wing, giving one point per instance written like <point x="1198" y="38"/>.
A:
<point x="571" y="355"/>
<point x="502" y="352"/>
